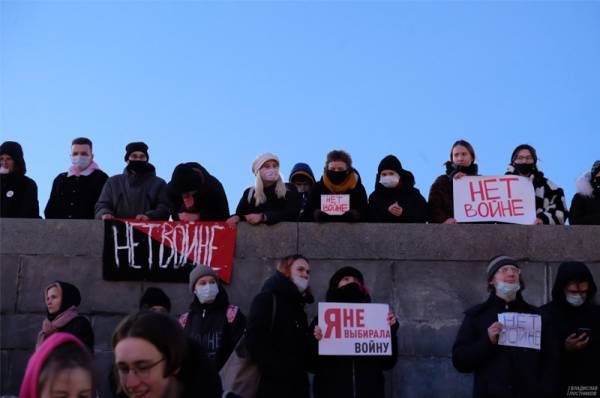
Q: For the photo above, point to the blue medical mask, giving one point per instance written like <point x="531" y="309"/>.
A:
<point x="207" y="293"/>
<point x="507" y="291"/>
<point x="575" y="299"/>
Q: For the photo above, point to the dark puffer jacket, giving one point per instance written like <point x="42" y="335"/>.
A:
<point x="280" y="348"/>
<point x="585" y="206"/>
<point x="213" y="329"/>
<point x="577" y="368"/>
<point x="502" y="371"/>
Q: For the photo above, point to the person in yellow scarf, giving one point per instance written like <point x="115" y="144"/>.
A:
<point x="340" y="179"/>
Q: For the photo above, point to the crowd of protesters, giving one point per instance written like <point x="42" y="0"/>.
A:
<point x="193" y="194"/>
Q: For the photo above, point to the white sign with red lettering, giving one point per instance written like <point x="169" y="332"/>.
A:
<point x="507" y="198"/>
<point x="335" y="205"/>
<point x="354" y="329"/>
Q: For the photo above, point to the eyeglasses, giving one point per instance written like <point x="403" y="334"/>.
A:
<point x="140" y="371"/>
<point x="509" y="268"/>
<point x="524" y="158"/>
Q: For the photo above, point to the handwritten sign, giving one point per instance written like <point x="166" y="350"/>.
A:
<point x="354" y="329"/>
<point x="166" y="251"/>
<point x="520" y="330"/>
<point x="509" y="199"/>
<point x="335" y="205"/>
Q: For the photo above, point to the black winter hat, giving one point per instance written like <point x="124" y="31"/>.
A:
<point x="341" y="273"/>
<point x="15" y="151"/>
<point x="186" y="178"/>
<point x="595" y="168"/>
<point x="134" y="147"/>
<point x="524" y="146"/>
<point x="390" y="162"/>
<point x="497" y="262"/>
<point x="155" y="296"/>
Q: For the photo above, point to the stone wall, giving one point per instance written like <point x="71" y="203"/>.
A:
<point x="428" y="273"/>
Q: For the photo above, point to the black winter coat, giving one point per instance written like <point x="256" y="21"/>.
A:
<point x="358" y="203"/>
<point x="502" y="371"/>
<point x="279" y="348"/>
<point x="209" y="327"/>
<point x="351" y="377"/>
<point x="75" y="197"/>
<point x="585" y="206"/>
<point x="275" y="209"/>
<point x="19" y="196"/>
<point x="414" y="205"/>
<point x="577" y="368"/>
<point x="81" y="328"/>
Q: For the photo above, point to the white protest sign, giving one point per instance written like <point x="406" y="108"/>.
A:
<point x="335" y="205"/>
<point x="507" y="198"/>
<point x="354" y="329"/>
<point x="520" y="330"/>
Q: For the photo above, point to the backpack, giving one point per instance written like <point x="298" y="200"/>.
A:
<point x="240" y="375"/>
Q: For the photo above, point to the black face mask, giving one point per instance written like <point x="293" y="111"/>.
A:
<point x="337" y="177"/>
<point x="350" y="293"/>
<point x="452" y="169"/>
<point x="524" y="168"/>
<point x="139" y="166"/>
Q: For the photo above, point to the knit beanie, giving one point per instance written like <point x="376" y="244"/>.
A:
<point x="595" y="168"/>
<point x="186" y="178"/>
<point x="524" y="146"/>
<point x="135" y="147"/>
<point x="198" y="272"/>
<point x="15" y="151"/>
<point x="497" y="262"/>
<point x="154" y="296"/>
<point x="390" y="162"/>
<point x="259" y="190"/>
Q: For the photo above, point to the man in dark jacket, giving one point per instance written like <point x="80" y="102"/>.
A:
<point x="504" y="371"/>
<point x="585" y="206"/>
<point x="195" y="195"/>
<point x="339" y="178"/>
<point x="576" y="324"/>
<point x="75" y="192"/>
<point x="395" y="198"/>
<point x="137" y="193"/>
<point x="18" y="192"/>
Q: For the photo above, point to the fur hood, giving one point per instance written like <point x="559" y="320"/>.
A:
<point x="584" y="185"/>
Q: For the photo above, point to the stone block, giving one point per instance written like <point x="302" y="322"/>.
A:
<point x="60" y="237"/>
<point x="423" y="339"/>
<point x="20" y="331"/>
<point x="422" y="377"/>
<point x="273" y="241"/>
<point x="9" y="271"/>
<point x="410" y="241"/>
<point x="104" y="326"/>
<point x="563" y="243"/>
<point x="249" y="275"/>
<point x="85" y="273"/>
<point x="14" y="363"/>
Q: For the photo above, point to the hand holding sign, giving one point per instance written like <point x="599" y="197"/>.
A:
<point x="494" y="332"/>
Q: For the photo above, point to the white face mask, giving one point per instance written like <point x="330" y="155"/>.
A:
<point x="207" y="293"/>
<point x="389" y="181"/>
<point x="3" y="170"/>
<point x="507" y="291"/>
<point x="270" y="175"/>
<point x="301" y="283"/>
<point x="575" y="299"/>
<point x="80" y="161"/>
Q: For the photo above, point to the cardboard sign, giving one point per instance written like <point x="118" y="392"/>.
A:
<point x="509" y="199"/>
<point x="354" y="329"/>
<point x="165" y="251"/>
<point x="520" y="330"/>
<point x="335" y="205"/>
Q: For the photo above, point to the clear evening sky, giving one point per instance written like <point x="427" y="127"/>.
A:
<point x="221" y="82"/>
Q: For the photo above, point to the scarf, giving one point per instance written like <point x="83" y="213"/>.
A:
<point x="74" y="171"/>
<point x="348" y="184"/>
<point x="50" y="327"/>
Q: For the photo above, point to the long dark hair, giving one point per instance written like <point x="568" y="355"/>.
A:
<point x="467" y="145"/>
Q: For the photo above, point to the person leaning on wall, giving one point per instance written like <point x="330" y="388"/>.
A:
<point x="304" y="180"/>
<point x="270" y="200"/>
<point x="550" y="204"/>
<point x="19" y="196"/>
<point x="339" y="178"/>
<point x="137" y="193"/>
<point x="441" y="195"/>
<point x="585" y="206"/>
<point x="75" y="192"/>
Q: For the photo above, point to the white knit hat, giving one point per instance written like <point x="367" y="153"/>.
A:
<point x="258" y="192"/>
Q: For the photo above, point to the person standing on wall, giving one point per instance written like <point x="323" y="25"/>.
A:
<point x="19" y="197"/>
<point x="137" y="193"/>
<point x="501" y="370"/>
<point x="75" y="192"/>
<point x="585" y="206"/>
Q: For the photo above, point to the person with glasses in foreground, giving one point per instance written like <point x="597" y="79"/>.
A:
<point x="154" y="359"/>
<point x="502" y="370"/>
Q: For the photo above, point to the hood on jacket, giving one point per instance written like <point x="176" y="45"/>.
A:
<point x="583" y="185"/>
<point x="302" y="169"/>
<point x="15" y="151"/>
<point x="391" y="162"/>
<point x="348" y="294"/>
<point x="70" y="297"/>
<point x="572" y="271"/>
<point x="188" y="177"/>
<point x="281" y="284"/>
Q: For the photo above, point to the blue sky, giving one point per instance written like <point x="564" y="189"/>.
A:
<point x="221" y="82"/>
